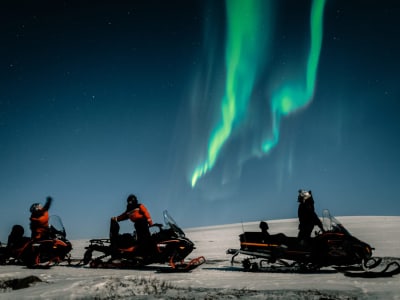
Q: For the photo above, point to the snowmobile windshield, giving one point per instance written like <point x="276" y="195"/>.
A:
<point x="338" y="227"/>
<point x="170" y="222"/>
<point x="332" y="224"/>
<point x="56" y="226"/>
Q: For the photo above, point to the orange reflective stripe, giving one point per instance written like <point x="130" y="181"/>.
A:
<point x="259" y="244"/>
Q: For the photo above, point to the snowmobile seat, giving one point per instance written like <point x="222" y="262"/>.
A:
<point x="125" y="241"/>
<point x="263" y="238"/>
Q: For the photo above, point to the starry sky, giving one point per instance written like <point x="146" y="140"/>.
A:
<point x="102" y="99"/>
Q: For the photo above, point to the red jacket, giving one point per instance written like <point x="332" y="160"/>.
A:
<point x="136" y="214"/>
<point x="39" y="224"/>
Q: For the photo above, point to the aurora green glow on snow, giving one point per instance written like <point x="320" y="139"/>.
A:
<point x="245" y="53"/>
<point x="291" y="97"/>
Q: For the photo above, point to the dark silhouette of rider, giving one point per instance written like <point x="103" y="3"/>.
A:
<point x="307" y="217"/>
<point x="16" y="240"/>
<point x="272" y="238"/>
<point x="264" y="228"/>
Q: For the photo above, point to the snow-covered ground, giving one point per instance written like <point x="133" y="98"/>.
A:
<point x="216" y="279"/>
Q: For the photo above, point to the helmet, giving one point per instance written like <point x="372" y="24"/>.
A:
<point x="132" y="199"/>
<point x="35" y="207"/>
<point x="303" y="195"/>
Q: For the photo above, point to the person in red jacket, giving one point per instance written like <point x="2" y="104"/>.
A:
<point x="140" y="216"/>
<point x="40" y="220"/>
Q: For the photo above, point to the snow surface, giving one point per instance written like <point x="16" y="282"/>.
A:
<point x="217" y="279"/>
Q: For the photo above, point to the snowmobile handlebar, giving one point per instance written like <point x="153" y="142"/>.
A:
<point x="157" y="225"/>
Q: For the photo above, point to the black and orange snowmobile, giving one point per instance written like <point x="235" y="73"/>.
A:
<point x="335" y="247"/>
<point x="167" y="244"/>
<point x="51" y="250"/>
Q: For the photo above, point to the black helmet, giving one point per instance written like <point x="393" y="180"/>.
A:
<point x="132" y="199"/>
<point x="35" y="207"/>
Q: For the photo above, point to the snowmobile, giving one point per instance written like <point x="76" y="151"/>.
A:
<point x="335" y="247"/>
<point x="167" y="244"/>
<point x="37" y="253"/>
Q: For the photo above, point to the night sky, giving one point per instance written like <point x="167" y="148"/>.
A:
<point x="100" y="99"/>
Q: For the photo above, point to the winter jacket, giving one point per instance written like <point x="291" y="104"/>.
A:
<point x="40" y="222"/>
<point x="307" y="215"/>
<point x="135" y="214"/>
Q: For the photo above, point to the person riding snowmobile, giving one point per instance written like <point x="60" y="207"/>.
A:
<point x="307" y="216"/>
<point x="140" y="216"/>
<point x="264" y="228"/>
<point x="40" y="220"/>
<point x="267" y="237"/>
<point x="16" y="240"/>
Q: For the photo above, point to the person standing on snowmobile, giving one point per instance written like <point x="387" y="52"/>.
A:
<point x="40" y="220"/>
<point x="140" y="216"/>
<point x="307" y="216"/>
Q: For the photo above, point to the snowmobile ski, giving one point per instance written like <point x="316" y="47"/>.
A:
<point x="390" y="270"/>
<point x="184" y="267"/>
